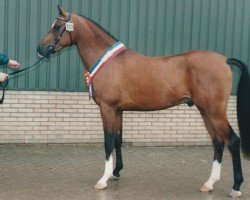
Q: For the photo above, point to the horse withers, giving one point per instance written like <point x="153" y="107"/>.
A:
<point x="121" y="79"/>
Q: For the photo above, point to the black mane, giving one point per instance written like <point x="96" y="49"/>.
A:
<point x="92" y="21"/>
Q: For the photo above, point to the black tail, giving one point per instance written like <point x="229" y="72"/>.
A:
<point x="243" y="104"/>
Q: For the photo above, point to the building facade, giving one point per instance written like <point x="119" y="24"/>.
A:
<point x="49" y="104"/>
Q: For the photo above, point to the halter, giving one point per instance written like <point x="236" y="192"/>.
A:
<point x="69" y="26"/>
<point x="110" y="53"/>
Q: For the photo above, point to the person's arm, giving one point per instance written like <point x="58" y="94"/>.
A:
<point x="3" y="59"/>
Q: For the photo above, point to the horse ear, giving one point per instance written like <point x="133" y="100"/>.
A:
<point x="61" y="11"/>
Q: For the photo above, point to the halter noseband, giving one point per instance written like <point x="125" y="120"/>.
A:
<point x="52" y="47"/>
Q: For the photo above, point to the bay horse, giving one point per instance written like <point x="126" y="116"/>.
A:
<point x="121" y="79"/>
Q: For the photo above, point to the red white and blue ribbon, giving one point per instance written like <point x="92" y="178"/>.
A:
<point x="111" y="52"/>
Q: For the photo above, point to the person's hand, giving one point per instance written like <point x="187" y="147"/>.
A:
<point x="13" y="64"/>
<point x="3" y="77"/>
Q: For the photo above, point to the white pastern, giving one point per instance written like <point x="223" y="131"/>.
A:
<point x="234" y="194"/>
<point x="215" y="175"/>
<point x="108" y="171"/>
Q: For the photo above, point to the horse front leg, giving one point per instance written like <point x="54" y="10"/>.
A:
<point x="118" y="150"/>
<point x="111" y="125"/>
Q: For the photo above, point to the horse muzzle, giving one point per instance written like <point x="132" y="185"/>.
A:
<point x="45" y="50"/>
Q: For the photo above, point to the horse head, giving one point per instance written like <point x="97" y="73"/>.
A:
<point x="59" y="36"/>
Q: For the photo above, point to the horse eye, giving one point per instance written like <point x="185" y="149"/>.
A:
<point x="56" y="27"/>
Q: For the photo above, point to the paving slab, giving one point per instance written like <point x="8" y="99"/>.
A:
<point x="33" y="172"/>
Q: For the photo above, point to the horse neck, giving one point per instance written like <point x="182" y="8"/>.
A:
<point x="92" y="41"/>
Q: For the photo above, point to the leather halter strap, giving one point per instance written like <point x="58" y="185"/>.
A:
<point x="53" y="45"/>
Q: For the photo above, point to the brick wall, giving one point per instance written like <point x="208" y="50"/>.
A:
<point x="69" y="117"/>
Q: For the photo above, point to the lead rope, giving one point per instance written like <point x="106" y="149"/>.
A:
<point x="5" y="84"/>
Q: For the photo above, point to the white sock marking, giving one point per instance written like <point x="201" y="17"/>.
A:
<point x="215" y="174"/>
<point x="108" y="170"/>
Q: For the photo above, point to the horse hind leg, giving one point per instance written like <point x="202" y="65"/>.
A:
<point x="218" y="145"/>
<point x="225" y="133"/>
<point x="233" y="145"/>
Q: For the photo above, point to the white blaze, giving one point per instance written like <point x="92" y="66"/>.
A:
<point x="53" y="24"/>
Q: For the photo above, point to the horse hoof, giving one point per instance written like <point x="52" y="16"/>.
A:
<point x="234" y="194"/>
<point x="114" y="178"/>
<point x="101" y="186"/>
<point x="206" y="188"/>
